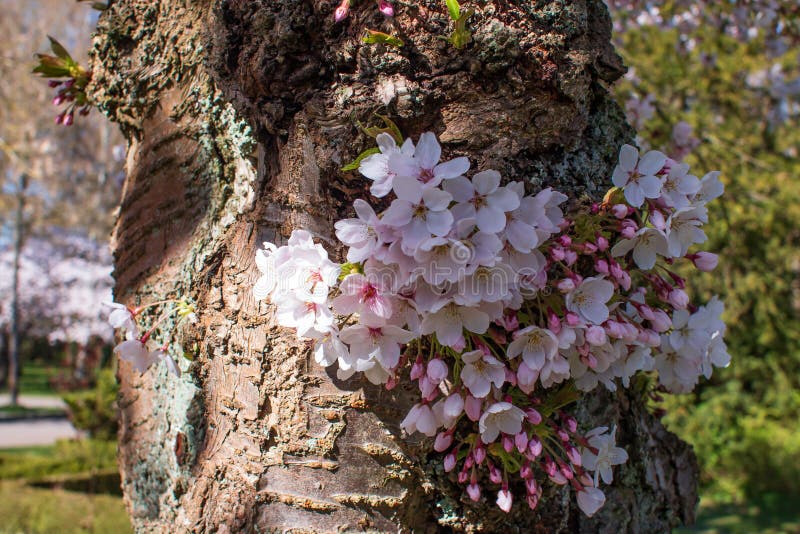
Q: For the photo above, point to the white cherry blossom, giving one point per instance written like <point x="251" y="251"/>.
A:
<point x="480" y="372"/>
<point x="381" y="343"/>
<point x="360" y="234"/>
<point x="638" y="177"/>
<point x="449" y="320"/>
<point x="647" y="245"/>
<point x="589" y="299"/>
<point x="500" y="417"/>
<point x="605" y="455"/>
<point x="679" y="185"/>
<point x="376" y="166"/>
<point x="537" y="345"/>
<point x="483" y="199"/>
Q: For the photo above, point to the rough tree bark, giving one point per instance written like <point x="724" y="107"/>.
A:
<point x="239" y="114"/>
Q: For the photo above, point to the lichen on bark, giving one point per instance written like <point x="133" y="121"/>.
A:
<point x="240" y="114"/>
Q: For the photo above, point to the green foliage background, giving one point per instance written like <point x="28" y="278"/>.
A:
<point x="744" y="422"/>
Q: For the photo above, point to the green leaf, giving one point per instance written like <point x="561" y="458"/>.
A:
<point x="51" y="67"/>
<point x="389" y="127"/>
<point x="454" y="9"/>
<point x="355" y="163"/>
<point x="461" y="35"/>
<point x="59" y="50"/>
<point x="375" y="37"/>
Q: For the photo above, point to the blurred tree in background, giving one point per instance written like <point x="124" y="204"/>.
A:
<point x="719" y="83"/>
<point x="60" y="186"/>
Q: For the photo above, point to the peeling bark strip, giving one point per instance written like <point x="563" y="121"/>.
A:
<point x="239" y="115"/>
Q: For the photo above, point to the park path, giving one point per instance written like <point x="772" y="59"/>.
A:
<point x="26" y="433"/>
<point x="35" y="401"/>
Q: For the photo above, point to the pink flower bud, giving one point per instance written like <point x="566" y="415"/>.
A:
<point x="572" y="319"/>
<point x="341" y="12"/>
<point x="625" y="281"/>
<point x="508" y="443"/>
<point x="463" y="476"/>
<point x="521" y="441"/>
<point x="53" y="84"/>
<point x="614" y="329"/>
<point x="526" y="472"/>
<point x="629" y="332"/>
<point x="572" y="424"/>
<point x="442" y="442"/>
<point x="449" y="462"/>
<point x="479" y="454"/>
<point x="705" y="261"/>
<point x="495" y="475"/>
<point x="509" y="321"/>
<point x="620" y="211"/>
<point x="550" y="467"/>
<point x="678" y="298"/>
<point x="566" y="471"/>
<point x="473" y="408"/>
<point x="526" y="378"/>
<point x="570" y="257"/>
<point x="69" y="119"/>
<point x="660" y="321"/>
<point x="564" y="240"/>
<point x="474" y="491"/>
<point x="595" y="335"/>
<point x="531" y="486"/>
<point x="573" y="455"/>
<point x="649" y="338"/>
<point x="386" y="8"/>
<point x="533" y="416"/>
<point x="589" y="248"/>
<point x="535" y="446"/>
<point x="602" y="243"/>
<point x="601" y="266"/>
<point x="391" y="383"/>
<point x="418" y="369"/>
<point x="553" y="322"/>
<point x="469" y="461"/>
<point x="59" y="118"/>
<point x="557" y="253"/>
<point x="437" y="370"/>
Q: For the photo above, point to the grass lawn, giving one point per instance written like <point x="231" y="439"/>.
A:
<point x="44" y="511"/>
<point x="772" y="513"/>
<point x="72" y="486"/>
<point x="64" y="457"/>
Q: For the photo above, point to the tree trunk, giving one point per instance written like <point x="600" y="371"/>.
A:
<point x="14" y="362"/>
<point x="240" y="114"/>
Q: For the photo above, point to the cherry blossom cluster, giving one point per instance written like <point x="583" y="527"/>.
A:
<point x="503" y="310"/>
<point x="136" y="348"/>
